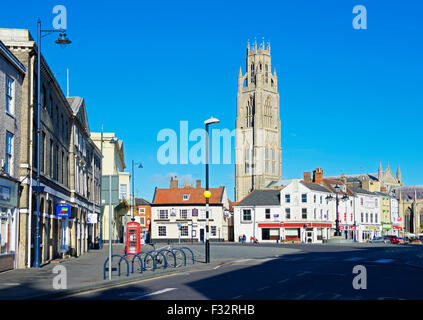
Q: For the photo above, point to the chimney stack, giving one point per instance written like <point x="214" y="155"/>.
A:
<point x="318" y="176"/>
<point x="174" y="183"/>
<point x="307" y="177"/>
<point x="198" y="184"/>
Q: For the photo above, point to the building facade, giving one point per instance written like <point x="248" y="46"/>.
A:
<point x="258" y="151"/>
<point x="142" y="215"/>
<point x="179" y="214"/>
<point x="59" y="236"/>
<point x="12" y="74"/>
<point x="115" y="192"/>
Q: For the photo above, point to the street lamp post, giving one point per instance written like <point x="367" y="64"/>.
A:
<point x="337" y="188"/>
<point x="207" y="192"/>
<point x="133" y="188"/>
<point x="62" y="41"/>
<point x="101" y="190"/>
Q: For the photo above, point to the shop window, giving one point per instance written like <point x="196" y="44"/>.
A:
<point x="184" y="231"/>
<point x="162" y="231"/>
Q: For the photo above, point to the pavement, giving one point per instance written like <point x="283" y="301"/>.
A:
<point x="86" y="272"/>
<point x="310" y="272"/>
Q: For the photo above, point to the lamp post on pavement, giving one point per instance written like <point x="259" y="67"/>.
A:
<point x="207" y="193"/>
<point x="133" y="188"/>
<point x="62" y="40"/>
<point x="337" y="188"/>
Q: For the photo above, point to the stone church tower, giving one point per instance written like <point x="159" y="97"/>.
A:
<point x="258" y="153"/>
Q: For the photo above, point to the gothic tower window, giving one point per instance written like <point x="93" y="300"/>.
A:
<point x="268" y="113"/>
<point x="273" y="162"/>
<point x="267" y="160"/>
<point x="248" y="161"/>
<point x="266" y="74"/>
<point x="250" y="111"/>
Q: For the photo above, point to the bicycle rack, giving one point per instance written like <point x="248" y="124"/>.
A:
<point x="192" y="253"/>
<point x="174" y="256"/>
<point x="121" y="258"/>
<point x="183" y="252"/>
<point x="149" y="253"/>
<point x="133" y="260"/>
<point x="164" y="257"/>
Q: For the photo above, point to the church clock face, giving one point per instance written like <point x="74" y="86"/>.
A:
<point x="258" y="134"/>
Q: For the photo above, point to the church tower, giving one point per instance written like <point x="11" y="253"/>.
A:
<point x="258" y="153"/>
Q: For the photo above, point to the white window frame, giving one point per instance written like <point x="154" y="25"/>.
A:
<point x="10" y="95"/>
<point x="8" y="166"/>
<point x="161" y="231"/>
<point x="163" y="214"/>
<point x="243" y="215"/>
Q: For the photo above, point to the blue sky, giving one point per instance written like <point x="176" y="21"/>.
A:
<point x="348" y="98"/>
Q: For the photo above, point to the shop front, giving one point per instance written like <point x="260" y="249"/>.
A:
<point x="8" y="222"/>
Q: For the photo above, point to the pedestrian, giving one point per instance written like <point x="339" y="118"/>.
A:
<point x="252" y="239"/>
<point x="244" y="238"/>
<point x="240" y="239"/>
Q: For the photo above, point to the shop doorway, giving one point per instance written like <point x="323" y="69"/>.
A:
<point x="202" y="235"/>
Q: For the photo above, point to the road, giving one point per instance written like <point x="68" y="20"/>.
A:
<point x="314" y="272"/>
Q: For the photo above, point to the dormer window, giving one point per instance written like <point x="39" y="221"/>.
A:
<point x="185" y="196"/>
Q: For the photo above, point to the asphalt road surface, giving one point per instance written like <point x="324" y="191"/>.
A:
<point x="316" y="272"/>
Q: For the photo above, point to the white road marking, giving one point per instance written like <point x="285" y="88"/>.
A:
<point x="154" y="293"/>
<point x="303" y="273"/>
<point x="216" y="267"/>
<point x="300" y="297"/>
<point x="10" y="284"/>
<point x="237" y="297"/>
<point x="383" y="260"/>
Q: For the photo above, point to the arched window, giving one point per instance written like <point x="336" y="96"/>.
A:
<point x="268" y="112"/>
<point x="266" y="74"/>
<point x="248" y="161"/>
<point x="250" y="112"/>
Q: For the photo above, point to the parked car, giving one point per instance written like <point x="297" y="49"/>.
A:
<point x="393" y="239"/>
<point x="402" y="240"/>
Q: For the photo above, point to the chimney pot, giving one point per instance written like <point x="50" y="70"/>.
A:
<point x="198" y="184"/>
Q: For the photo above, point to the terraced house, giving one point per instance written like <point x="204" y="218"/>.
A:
<point x="58" y="236"/>
<point x="12" y="74"/>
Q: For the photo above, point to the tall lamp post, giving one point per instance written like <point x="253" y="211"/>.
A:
<point x="62" y="40"/>
<point x="133" y="188"/>
<point x="337" y="188"/>
<point x="207" y="193"/>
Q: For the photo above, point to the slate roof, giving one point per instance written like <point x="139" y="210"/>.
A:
<point x="141" y="202"/>
<point x="261" y="198"/>
<point x="315" y="186"/>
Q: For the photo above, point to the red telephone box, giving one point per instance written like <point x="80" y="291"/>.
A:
<point x="133" y="237"/>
